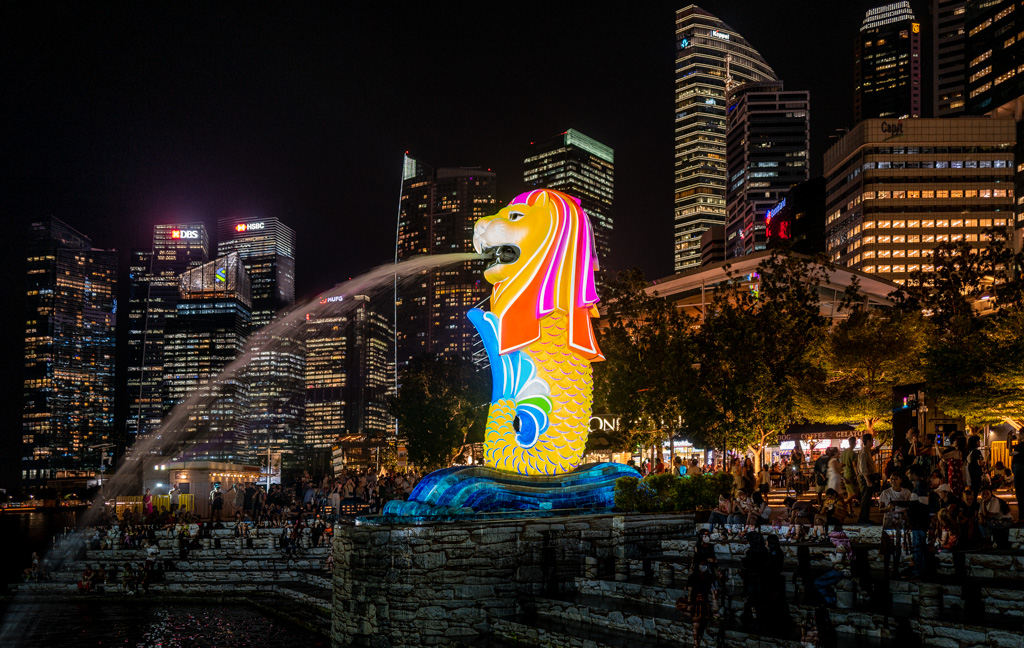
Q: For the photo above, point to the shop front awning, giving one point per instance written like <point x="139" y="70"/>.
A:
<point x="818" y="432"/>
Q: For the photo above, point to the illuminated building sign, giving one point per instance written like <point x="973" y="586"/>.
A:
<point x="222" y="274"/>
<point x="331" y="300"/>
<point x="184" y="234"/>
<point x="249" y="227"/>
<point x="771" y="213"/>
<point x="718" y="34"/>
<point x="893" y="129"/>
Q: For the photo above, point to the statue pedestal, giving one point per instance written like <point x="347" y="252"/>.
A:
<point x="468" y="492"/>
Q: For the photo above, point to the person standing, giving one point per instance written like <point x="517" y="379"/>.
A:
<point x="238" y="499"/>
<point x="216" y="502"/>
<point x="848" y="460"/>
<point x="834" y="473"/>
<point x="869" y="477"/>
<point x="1015" y="444"/>
<point x="248" y="498"/>
<point x="820" y="471"/>
<point x="147" y="503"/>
<point x="174" y="496"/>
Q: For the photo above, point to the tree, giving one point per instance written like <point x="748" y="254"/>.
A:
<point x="751" y="348"/>
<point x="856" y="365"/>
<point x="646" y="343"/>
<point x="973" y="366"/>
<point x="441" y="407"/>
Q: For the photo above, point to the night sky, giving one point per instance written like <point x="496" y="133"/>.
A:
<point x="117" y="116"/>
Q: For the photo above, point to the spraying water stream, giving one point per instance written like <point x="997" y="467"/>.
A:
<point x="175" y="429"/>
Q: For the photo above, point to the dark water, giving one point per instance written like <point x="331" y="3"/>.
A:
<point x="24" y="533"/>
<point x="142" y="624"/>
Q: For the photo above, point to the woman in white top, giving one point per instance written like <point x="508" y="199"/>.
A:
<point x="834" y="479"/>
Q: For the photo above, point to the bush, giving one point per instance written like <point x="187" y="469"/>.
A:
<point x="666" y="492"/>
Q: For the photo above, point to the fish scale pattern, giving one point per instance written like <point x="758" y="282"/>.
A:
<point x="570" y="377"/>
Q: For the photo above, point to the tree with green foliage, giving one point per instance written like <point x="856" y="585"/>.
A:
<point x="753" y="345"/>
<point x="441" y="407"/>
<point x="974" y="365"/>
<point x="645" y="342"/>
<point x="856" y="365"/>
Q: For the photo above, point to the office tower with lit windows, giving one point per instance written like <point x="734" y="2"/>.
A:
<point x="887" y="64"/>
<point x="267" y="248"/>
<point x="326" y="378"/>
<point x="948" y="39"/>
<point x="275" y="376"/>
<point x="436" y="216"/>
<point x="994" y="55"/>
<point x="583" y="168"/>
<point x="711" y="58"/>
<point x="348" y="372"/>
<point x="209" y="330"/>
<point x="153" y="299"/>
<point x="69" y="353"/>
<point x="897" y="188"/>
<point x="767" y="146"/>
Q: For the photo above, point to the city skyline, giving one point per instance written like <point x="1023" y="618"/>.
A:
<point x="226" y="116"/>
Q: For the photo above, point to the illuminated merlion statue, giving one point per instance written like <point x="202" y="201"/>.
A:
<point x="538" y="332"/>
<point x="540" y="341"/>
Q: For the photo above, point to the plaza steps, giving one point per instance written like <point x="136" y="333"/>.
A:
<point x="980" y="604"/>
<point x="293" y="587"/>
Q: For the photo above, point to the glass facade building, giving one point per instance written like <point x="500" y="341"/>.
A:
<point x="767" y="146"/>
<point x="994" y="54"/>
<point x="348" y="372"/>
<point x="153" y="299"/>
<point x="275" y="374"/>
<point x="887" y="64"/>
<point x="583" y="168"/>
<point x="436" y="216"/>
<point x="267" y="248"/>
<point x="69" y="353"/>
<point x="209" y="331"/>
<point x="948" y="41"/>
<point x="711" y="58"/>
<point x="897" y="188"/>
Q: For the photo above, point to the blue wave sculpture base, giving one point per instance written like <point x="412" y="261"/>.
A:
<point x="479" y="491"/>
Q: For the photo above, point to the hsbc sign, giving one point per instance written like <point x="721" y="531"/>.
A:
<point x="249" y="227"/>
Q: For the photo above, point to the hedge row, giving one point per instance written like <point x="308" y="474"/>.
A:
<point x="665" y="492"/>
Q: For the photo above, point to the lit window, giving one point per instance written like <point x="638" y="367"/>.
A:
<point x="942" y="238"/>
<point x="928" y="223"/>
<point x="914" y="238"/>
<point x="914" y="253"/>
<point x="998" y="193"/>
<point x="942" y="223"/>
<point x="883" y="195"/>
<point x="913" y="194"/>
<point x="884" y="224"/>
<point x="899" y="223"/>
<point x="985" y="222"/>
<point x="942" y="193"/>
<point x="914" y="224"/>
<point x="956" y="193"/>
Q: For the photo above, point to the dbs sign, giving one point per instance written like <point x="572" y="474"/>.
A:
<point x="184" y="234"/>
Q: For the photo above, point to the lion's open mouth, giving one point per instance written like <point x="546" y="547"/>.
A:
<point x="502" y="254"/>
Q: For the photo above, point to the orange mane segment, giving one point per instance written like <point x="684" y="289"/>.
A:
<point x="562" y="279"/>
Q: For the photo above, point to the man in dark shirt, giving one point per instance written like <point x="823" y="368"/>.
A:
<point x="250" y="491"/>
<point x="918" y="518"/>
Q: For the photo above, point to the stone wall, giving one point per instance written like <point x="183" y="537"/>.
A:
<point x="432" y="585"/>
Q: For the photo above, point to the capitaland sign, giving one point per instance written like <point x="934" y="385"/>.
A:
<point x="185" y="234"/>
<point x="249" y="227"/>
<point x="892" y="129"/>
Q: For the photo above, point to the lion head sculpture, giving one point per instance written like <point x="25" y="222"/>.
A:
<point x="544" y="260"/>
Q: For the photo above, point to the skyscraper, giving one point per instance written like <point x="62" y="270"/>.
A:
<point x="208" y="331"/>
<point x="768" y="146"/>
<point x="267" y="248"/>
<point x="948" y="36"/>
<point x="887" y="64"/>
<point x="896" y="188"/>
<point x="69" y="352"/>
<point x="583" y="168"/>
<point x="153" y="298"/>
<point x="348" y="373"/>
<point x="994" y="55"/>
<point x="275" y="375"/>
<point x="437" y="213"/>
<point x="711" y="58"/>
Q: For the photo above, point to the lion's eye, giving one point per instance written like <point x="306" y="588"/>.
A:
<point x="514" y="216"/>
